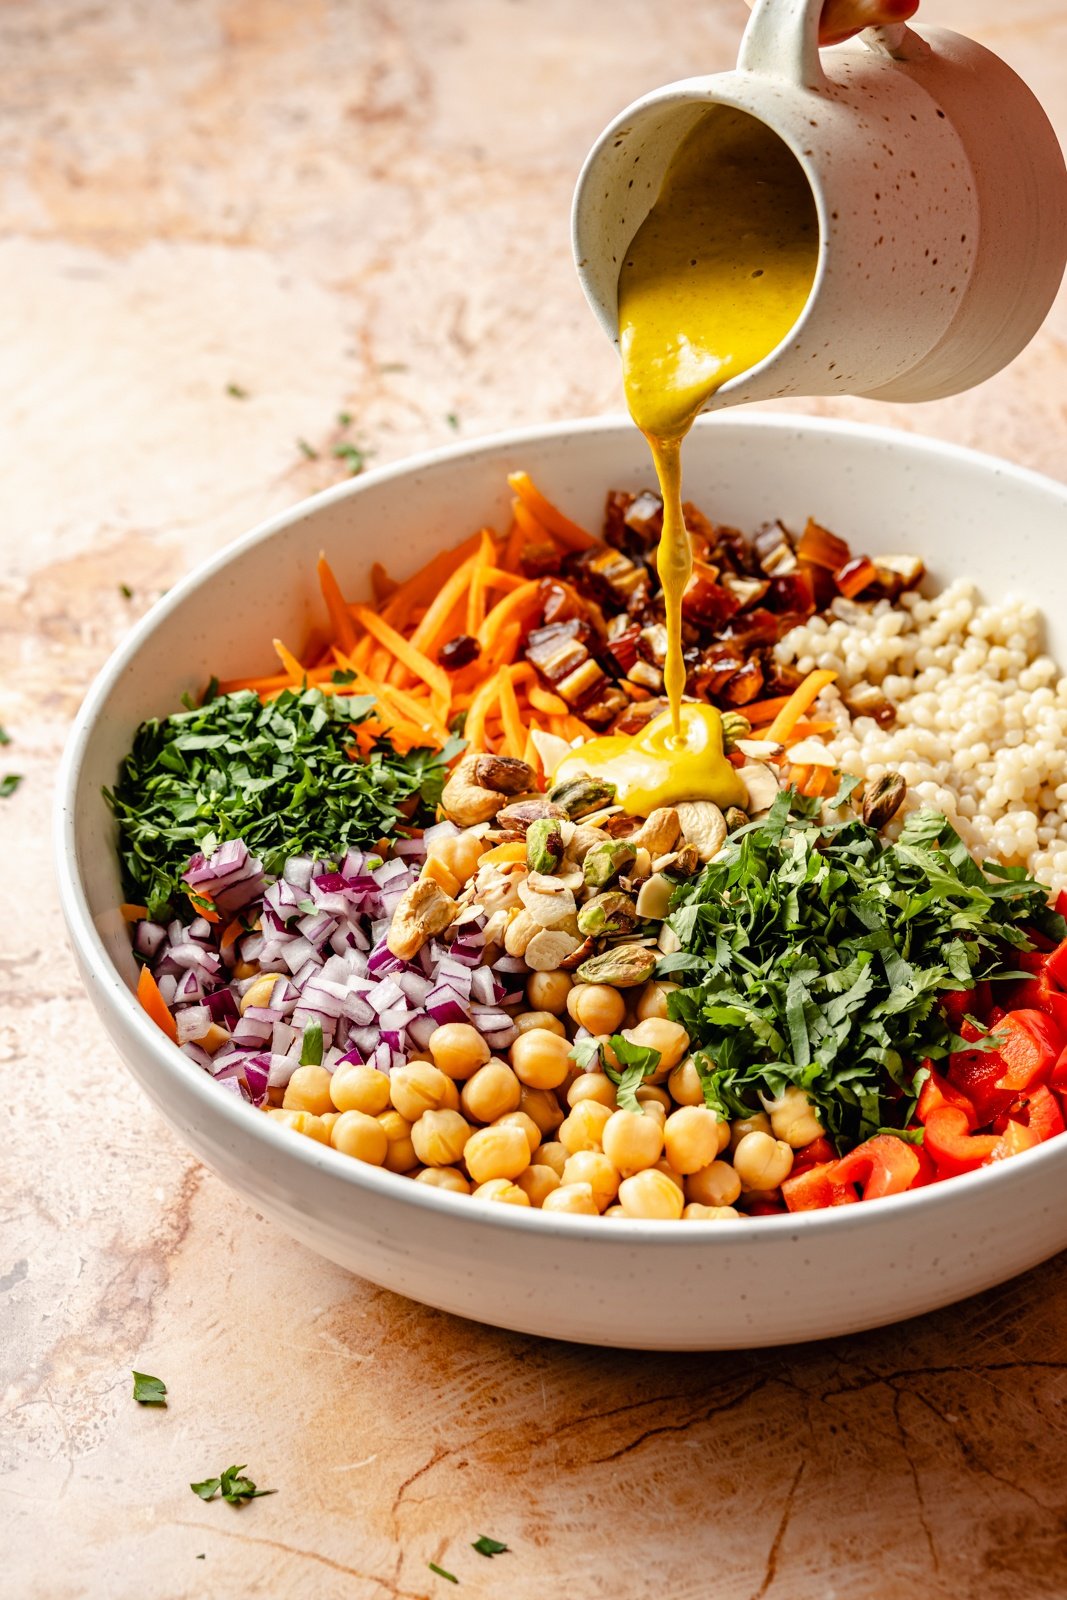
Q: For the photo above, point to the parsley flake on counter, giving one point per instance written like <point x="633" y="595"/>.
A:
<point x="452" y="418"/>
<point x="823" y="951"/>
<point x="344" y="418"/>
<point x="279" y="776"/>
<point x="490" y="1547"/>
<point x="352" y="455"/>
<point x="231" y="1487"/>
<point x="235" y="391"/>
<point x="8" y="784"/>
<point x="441" y="1573"/>
<point x="307" y="449"/>
<point x="125" y="591"/>
<point x="5" y="737"/>
<point x="149" y="1391"/>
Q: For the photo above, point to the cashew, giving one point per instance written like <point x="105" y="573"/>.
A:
<point x="518" y="933"/>
<point x="659" y="831"/>
<point x="424" y="909"/>
<point x="548" y="948"/>
<point x="761" y="786"/>
<point x="703" y="825"/>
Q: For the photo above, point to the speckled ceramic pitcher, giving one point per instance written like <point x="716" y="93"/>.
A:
<point x="940" y="190"/>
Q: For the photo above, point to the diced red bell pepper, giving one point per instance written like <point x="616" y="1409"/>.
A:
<point x="1037" y="994"/>
<point x="957" y="1003"/>
<point x="1056" y="965"/>
<point x="927" y="1172"/>
<point x="1028" y="1044"/>
<point x="1058" y="1076"/>
<point x="815" y="1188"/>
<point x="1040" y="1111"/>
<point x="938" y="1091"/>
<point x="764" y="1205"/>
<point x="1012" y="1142"/>
<point x="815" y="1154"/>
<point x="1061" y="903"/>
<point x="883" y="1165"/>
<point x="975" y="1072"/>
<point x="952" y="1146"/>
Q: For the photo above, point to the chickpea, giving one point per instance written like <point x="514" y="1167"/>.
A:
<point x="440" y="1137"/>
<point x="597" y="1007"/>
<point x="576" y="1199"/>
<point x="540" y="1058"/>
<point x="458" y="1049"/>
<point x="794" y="1119"/>
<point x="537" y="1183"/>
<point x="355" y="1087"/>
<point x="543" y="1107"/>
<point x="355" y="1134"/>
<point x="444" y="1178"/>
<point x="527" y="1020"/>
<point x="698" y="1213"/>
<point x="584" y="1128"/>
<point x="502" y="1191"/>
<point x="652" y="1001"/>
<point x="632" y="1140"/>
<point x="418" y="1087"/>
<point x="664" y="1166"/>
<point x="761" y="1162"/>
<point x="308" y="1090"/>
<point x="245" y="969"/>
<point x="758" y="1122"/>
<point x="497" y="1152"/>
<point x="552" y="1155"/>
<point x="651" y="1194"/>
<point x="685" y="1085"/>
<point x="519" y="1119"/>
<point x="669" y="1038"/>
<point x="614" y="1211"/>
<point x="329" y="1121"/>
<point x="594" y="1168"/>
<point x="717" y="1184"/>
<point x="651" y="1098"/>
<point x="691" y="1138"/>
<point x="491" y="1092"/>
<point x="548" y="991"/>
<point x="400" y="1156"/>
<point x="303" y="1122"/>
<point x="460" y="853"/>
<point x="592" y="1086"/>
<point x="258" y="993"/>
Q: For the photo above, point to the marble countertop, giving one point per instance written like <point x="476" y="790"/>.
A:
<point x="362" y="206"/>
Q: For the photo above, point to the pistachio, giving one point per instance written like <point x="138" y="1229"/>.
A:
<point x="503" y="774"/>
<point x="605" y="861"/>
<point x="424" y="909"/>
<point x="659" y="831"/>
<point x="549" y="948"/>
<point x="681" y="863"/>
<point x="734" y="727"/>
<point x="519" y="815"/>
<point x="607" y="914"/>
<point x="703" y="825"/>
<point x="655" y="897"/>
<point x="735" y="818"/>
<point x="622" y="967"/>
<point x="883" y="799"/>
<point x="544" y="844"/>
<point x="579" y="796"/>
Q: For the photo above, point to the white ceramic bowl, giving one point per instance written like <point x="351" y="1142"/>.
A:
<point x="636" y="1284"/>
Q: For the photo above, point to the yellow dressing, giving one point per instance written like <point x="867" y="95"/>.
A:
<point x="653" y="768"/>
<point x="713" y="280"/>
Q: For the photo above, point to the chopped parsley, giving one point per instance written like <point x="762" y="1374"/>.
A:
<point x="441" y="1573"/>
<point x="822" y="954"/>
<point x="311" y="1048"/>
<point x="636" y="1063"/>
<point x="489" y="1547"/>
<point x="284" y="777"/>
<point x="149" y="1391"/>
<point x="231" y="1486"/>
<point x="343" y="676"/>
<point x="8" y="784"/>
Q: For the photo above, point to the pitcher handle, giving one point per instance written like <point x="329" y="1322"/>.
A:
<point x="782" y="41"/>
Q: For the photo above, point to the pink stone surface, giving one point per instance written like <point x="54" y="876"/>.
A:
<point x="363" y="207"/>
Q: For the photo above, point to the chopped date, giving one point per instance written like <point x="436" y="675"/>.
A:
<point x="539" y="560"/>
<point x="855" y="576"/>
<point x="822" y="548"/>
<point x="459" y="652"/>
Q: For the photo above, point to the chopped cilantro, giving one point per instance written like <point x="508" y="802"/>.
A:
<point x="586" y="1054"/>
<point x="149" y="1391"/>
<point x="236" y="392"/>
<point x="231" y="1486"/>
<point x="441" y="1573"/>
<point x="307" y="449"/>
<point x="636" y="1063"/>
<point x="343" y="676"/>
<point x="8" y="784"/>
<point x="489" y="1547"/>
<point x="352" y="455"/>
<point x="280" y="776"/>
<point x="311" y="1049"/>
<point x="823" y="952"/>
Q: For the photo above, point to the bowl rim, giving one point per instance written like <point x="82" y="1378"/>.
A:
<point x="308" y="1154"/>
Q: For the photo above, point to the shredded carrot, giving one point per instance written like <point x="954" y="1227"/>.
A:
<point x="529" y="529"/>
<point x="437" y="612"/>
<point x="505" y="647"/>
<point x="154" y="1004"/>
<point x="764" y="710"/>
<point x="340" y="619"/>
<point x="514" y="732"/>
<point x="380" y="581"/>
<point x="415" y="661"/>
<point x="541" y="700"/>
<point x="477" y="715"/>
<point x="798" y="777"/>
<point x="513" y="547"/>
<point x="297" y="673"/>
<point x="475" y="609"/>
<point x="201" y="904"/>
<point x="514" y="607"/>
<point x="133" y="913"/>
<point x="497" y="578"/>
<point x="547" y="515"/>
<point x="796" y="705"/>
